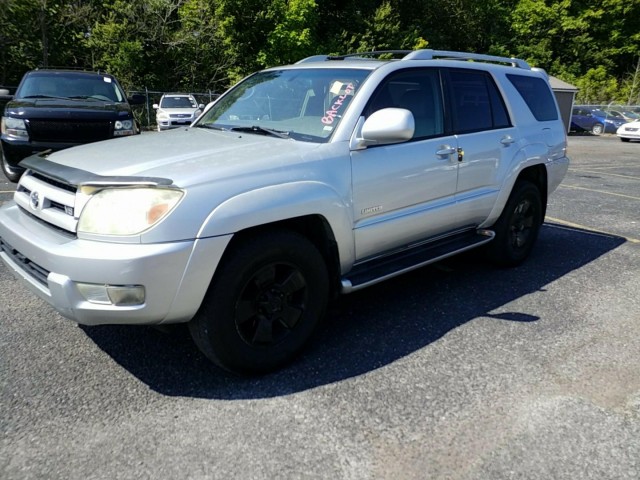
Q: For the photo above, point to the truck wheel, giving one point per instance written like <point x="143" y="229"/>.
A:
<point x="597" y="129"/>
<point x="267" y="297"/>
<point x="518" y="226"/>
<point x="13" y="174"/>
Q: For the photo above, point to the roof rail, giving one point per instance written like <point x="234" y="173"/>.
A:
<point x="356" y="56"/>
<point x="447" y="55"/>
<point x="426" y="54"/>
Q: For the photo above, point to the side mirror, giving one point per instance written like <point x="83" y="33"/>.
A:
<point x="386" y="126"/>
<point x="201" y="106"/>
<point x="155" y="106"/>
<point x="4" y="94"/>
<point x="137" y="99"/>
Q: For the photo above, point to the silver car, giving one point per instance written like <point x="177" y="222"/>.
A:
<point x="300" y="183"/>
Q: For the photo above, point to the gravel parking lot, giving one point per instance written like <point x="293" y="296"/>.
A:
<point x="457" y="371"/>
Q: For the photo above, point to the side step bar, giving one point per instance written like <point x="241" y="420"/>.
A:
<point x="380" y="269"/>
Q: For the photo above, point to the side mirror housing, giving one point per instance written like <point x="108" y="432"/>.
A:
<point x="4" y="94"/>
<point x="386" y="126"/>
<point x="137" y="99"/>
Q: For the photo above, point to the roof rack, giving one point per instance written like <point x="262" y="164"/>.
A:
<point x="447" y="55"/>
<point x="426" y="54"/>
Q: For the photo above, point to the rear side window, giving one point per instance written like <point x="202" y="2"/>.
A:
<point x="476" y="103"/>
<point x="537" y="95"/>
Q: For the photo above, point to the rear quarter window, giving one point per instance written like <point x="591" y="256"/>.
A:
<point x="537" y="95"/>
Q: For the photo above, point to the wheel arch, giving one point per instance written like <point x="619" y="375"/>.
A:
<point x="314" y="228"/>
<point x="536" y="174"/>
<point x="312" y="209"/>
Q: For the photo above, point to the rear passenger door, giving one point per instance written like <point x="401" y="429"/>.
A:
<point x="404" y="193"/>
<point x="486" y="140"/>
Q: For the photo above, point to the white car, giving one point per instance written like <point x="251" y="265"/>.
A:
<point x="176" y="110"/>
<point x="629" y="131"/>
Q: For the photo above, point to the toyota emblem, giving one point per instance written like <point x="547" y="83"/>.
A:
<point x="34" y="199"/>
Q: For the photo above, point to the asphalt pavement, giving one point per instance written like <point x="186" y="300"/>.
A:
<point x="459" y="370"/>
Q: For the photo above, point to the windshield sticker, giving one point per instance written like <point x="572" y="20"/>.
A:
<point x="337" y="104"/>
<point x="106" y="79"/>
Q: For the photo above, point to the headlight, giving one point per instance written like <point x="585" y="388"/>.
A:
<point x="14" y="127"/>
<point x="123" y="127"/>
<point x="127" y="211"/>
<point x="162" y="115"/>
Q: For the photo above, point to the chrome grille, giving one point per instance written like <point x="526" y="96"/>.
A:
<point x="49" y="200"/>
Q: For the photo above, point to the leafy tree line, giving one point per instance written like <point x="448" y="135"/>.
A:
<point x="199" y="45"/>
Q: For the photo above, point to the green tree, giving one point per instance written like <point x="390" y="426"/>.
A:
<point x="292" y="36"/>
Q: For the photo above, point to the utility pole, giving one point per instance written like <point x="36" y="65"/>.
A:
<point x="631" y="100"/>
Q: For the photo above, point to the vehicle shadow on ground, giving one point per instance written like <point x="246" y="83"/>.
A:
<point x="365" y="330"/>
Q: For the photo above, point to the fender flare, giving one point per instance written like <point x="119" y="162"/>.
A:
<point x="276" y="203"/>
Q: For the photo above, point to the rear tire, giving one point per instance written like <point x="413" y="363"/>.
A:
<point x="264" y="303"/>
<point x="518" y="226"/>
<point x="597" y="129"/>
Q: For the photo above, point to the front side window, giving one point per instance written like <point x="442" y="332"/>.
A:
<point x="304" y="104"/>
<point x="417" y="90"/>
<point x="76" y="86"/>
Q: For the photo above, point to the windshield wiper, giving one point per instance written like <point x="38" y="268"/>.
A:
<point x="43" y="96"/>
<point x="210" y="126"/>
<point x="261" y="130"/>
<point x="88" y="97"/>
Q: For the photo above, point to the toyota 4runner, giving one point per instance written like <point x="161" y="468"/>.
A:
<point x="299" y="183"/>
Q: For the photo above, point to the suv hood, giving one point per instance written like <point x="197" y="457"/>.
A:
<point x="187" y="156"/>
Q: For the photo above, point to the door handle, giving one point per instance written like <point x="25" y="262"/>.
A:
<point x="507" y="140"/>
<point x="445" y="150"/>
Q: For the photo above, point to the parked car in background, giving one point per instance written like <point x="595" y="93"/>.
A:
<point x="629" y="131"/>
<point x="594" y="120"/>
<point x="627" y="115"/>
<point x="56" y="109"/>
<point x="176" y="110"/>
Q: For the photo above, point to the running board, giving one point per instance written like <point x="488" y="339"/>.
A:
<point x="377" y="270"/>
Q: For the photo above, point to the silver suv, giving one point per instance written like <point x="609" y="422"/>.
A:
<point x="299" y="183"/>
<point x="176" y="110"/>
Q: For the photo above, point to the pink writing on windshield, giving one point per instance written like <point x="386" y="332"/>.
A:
<point x="337" y="104"/>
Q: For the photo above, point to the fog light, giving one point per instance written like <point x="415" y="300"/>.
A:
<point x="118" y="295"/>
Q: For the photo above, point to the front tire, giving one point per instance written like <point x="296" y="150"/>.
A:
<point x="518" y="226"/>
<point x="597" y="129"/>
<point x="13" y="174"/>
<point x="264" y="303"/>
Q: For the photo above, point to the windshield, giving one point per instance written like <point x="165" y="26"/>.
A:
<point x="70" y="85"/>
<point x="178" y="102"/>
<point x="306" y="104"/>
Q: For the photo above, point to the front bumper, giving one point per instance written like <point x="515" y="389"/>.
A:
<point x="175" y="275"/>
<point x="16" y="150"/>
<point x="632" y="133"/>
